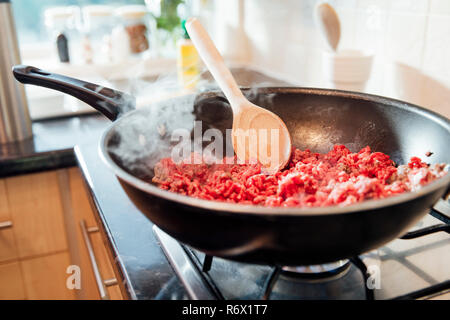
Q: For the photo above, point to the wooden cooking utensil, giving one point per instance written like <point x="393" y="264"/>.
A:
<point x="328" y="21"/>
<point x="257" y="133"/>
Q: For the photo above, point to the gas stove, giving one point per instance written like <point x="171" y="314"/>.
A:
<point x="415" y="266"/>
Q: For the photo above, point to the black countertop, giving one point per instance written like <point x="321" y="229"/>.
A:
<point x="51" y="146"/>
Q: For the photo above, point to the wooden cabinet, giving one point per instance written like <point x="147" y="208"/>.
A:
<point x="45" y="277"/>
<point x="102" y="257"/>
<point x="8" y="249"/>
<point x="11" y="281"/>
<point x="35" y="206"/>
<point x="42" y="237"/>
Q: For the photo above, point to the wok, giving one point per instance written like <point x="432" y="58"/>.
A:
<point x="316" y="119"/>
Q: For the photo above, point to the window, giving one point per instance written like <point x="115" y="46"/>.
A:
<point x="29" y="16"/>
<point x="95" y="53"/>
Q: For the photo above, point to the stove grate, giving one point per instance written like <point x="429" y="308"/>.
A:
<point x="209" y="289"/>
<point x="357" y="262"/>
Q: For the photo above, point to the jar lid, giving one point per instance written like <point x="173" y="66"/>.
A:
<point x="132" y="11"/>
<point x="98" y="10"/>
<point x="59" y="12"/>
<point x="55" y="15"/>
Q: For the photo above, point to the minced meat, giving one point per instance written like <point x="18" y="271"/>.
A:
<point x="338" y="177"/>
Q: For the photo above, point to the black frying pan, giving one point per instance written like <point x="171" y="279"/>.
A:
<point x="316" y="119"/>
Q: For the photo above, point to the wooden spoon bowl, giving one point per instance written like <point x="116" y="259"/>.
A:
<point x="258" y="135"/>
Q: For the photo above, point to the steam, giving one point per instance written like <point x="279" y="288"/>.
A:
<point x="144" y="137"/>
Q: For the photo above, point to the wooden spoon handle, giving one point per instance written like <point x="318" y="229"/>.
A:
<point x="214" y="61"/>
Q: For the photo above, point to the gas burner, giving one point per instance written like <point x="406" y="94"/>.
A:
<point x="340" y="280"/>
<point x="324" y="275"/>
<point x="320" y="272"/>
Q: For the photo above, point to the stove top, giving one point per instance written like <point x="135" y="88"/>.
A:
<point x="415" y="266"/>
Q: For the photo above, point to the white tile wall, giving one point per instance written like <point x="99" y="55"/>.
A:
<point x="436" y="61"/>
<point x="440" y="7"/>
<point x="410" y="40"/>
<point x="405" y="38"/>
<point x="409" y="6"/>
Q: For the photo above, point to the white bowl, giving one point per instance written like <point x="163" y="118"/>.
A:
<point x="347" y="66"/>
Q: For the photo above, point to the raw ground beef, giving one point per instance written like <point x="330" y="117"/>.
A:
<point x="338" y="177"/>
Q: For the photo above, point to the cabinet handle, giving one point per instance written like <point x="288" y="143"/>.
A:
<point x="110" y="282"/>
<point x="98" y="278"/>
<point x="5" y="224"/>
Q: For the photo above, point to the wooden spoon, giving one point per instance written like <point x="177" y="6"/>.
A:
<point x="257" y="133"/>
<point x="328" y="21"/>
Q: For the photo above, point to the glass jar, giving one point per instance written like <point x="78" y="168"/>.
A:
<point x="60" y="24"/>
<point x="97" y="27"/>
<point x="134" y="20"/>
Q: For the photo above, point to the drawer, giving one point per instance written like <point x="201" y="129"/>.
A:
<point x="12" y="286"/>
<point x="115" y="293"/>
<point x="101" y="265"/>
<point x="46" y="277"/>
<point x="93" y="253"/>
<point x="35" y="208"/>
<point x="8" y="249"/>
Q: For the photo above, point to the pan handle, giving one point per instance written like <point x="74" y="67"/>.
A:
<point x="109" y="102"/>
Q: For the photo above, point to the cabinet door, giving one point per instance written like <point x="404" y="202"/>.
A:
<point x="46" y="277"/>
<point x="35" y="206"/>
<point x="8" y="249"/>
<point x="11" y="282"/>
<point x="115" y="293"/>
<point x="105" y="265"/>
<point x="82" y="210"/>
